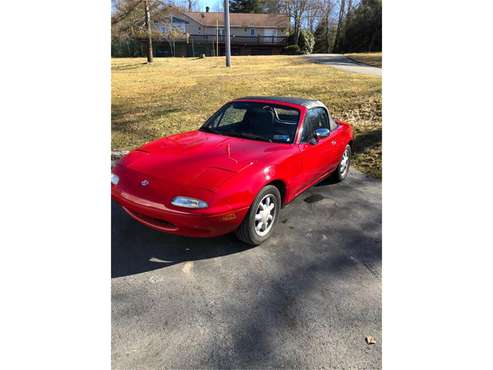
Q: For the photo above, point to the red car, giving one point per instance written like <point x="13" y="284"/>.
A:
<point x="252" y="157"/>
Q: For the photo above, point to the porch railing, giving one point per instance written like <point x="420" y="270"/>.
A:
<point x="250" y="40"/>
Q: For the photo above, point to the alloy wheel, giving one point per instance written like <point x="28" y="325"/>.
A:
<point x="344" y="166"/>
<point x="265" y="215"/>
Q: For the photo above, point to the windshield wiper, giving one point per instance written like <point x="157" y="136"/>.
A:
<point x="236" y="134"/>
<point x="254" y="136"/>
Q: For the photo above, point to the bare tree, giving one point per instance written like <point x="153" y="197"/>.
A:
<point x="138" y="20"/>
<point x="349" y="8"/>
<point x="149" y="31"/>
<point x="314" y="12"/>
<point x="122" y="9"/>
<point x="296" y="10"/>
<point x="342" y="35"/>
<point x="327" y="8"/>
<point x="342" y="8"/>
<point x="191" y="4"/>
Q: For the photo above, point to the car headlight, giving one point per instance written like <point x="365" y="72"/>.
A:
<point x="114" y="179"/>
<point x="187" y="202"/>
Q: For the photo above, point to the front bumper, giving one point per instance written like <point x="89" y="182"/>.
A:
<point x="185" y="223"/>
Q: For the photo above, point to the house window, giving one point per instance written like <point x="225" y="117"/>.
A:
<point x="179" y="24"/>
<point x="252" y="32"/>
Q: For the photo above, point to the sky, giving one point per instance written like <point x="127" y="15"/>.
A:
<point x="215" y="5"/>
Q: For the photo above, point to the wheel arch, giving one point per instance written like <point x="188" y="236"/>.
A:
<point x="281" y="186"/>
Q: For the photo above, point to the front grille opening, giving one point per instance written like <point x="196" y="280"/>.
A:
<point x="155" y="221"/>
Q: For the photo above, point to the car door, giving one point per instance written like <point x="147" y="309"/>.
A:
<point x="338" y="145"/>
<point x="315" y="154"/>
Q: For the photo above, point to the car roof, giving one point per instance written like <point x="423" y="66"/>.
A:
<point x="308" y="103"/>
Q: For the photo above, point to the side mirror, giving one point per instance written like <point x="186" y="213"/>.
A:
<point x="320" y="133"/>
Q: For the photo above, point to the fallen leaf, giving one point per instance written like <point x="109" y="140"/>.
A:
<point x="370" y="340"/>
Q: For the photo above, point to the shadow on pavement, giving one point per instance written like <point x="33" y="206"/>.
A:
<point x="135" y="248"/>
<point x="305" y="299"/>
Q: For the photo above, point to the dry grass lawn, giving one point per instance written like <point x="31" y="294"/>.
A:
<point x="372" y="59"/>
<point x="178" y="94"/>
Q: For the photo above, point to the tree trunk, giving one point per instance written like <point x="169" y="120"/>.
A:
<point x="327" y="35"/>
<point x="372" y="40"/>
<point x="326" y="16"/>
<point x="297" y="28"/>
<point x="149" y="31"/>
<point x="349" y="8"/>
<point x="339" y="24"/>
<point x="346" y="23"/>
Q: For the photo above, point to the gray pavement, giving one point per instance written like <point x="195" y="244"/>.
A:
<point x="306" y="298"/>
<point x="339" y="61"/>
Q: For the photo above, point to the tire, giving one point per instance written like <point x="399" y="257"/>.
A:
<point x="250" y="230"/>
<point x="342" y="169"/>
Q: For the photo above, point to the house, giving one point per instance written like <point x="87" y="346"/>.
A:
<point x="195" y="33"/>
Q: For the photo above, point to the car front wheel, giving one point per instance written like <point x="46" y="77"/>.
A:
<point x="261" y="218"/>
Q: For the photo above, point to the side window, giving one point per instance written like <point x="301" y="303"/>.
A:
<point x="332" y="124"/>
<point x="324" y="118"/>
<point x="315" y="118"/>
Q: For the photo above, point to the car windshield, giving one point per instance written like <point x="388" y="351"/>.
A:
<point x="256" y="121"/>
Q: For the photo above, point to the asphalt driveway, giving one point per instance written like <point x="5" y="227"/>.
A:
<point x="341" y="62"/>
<point x="306" y="298"/>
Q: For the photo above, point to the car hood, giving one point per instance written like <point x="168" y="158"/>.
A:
<point x="198" y="159"/>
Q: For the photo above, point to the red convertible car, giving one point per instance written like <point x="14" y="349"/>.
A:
<point x="252" y="157"/>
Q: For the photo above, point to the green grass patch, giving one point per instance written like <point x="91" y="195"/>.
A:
<point x="178" y="94"/>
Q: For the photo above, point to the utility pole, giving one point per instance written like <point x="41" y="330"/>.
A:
<point x="149" y="32"/>
<point x="217" y="37"/>
<point x="227" y="41"/>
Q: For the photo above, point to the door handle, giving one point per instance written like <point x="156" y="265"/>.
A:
<point x="334" y="142"/>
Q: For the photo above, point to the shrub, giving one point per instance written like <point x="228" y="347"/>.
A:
<point x="306" y="42"/>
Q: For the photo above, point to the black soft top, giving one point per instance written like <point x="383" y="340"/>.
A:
<point x="308" y="103"/>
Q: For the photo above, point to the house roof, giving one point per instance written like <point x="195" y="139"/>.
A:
<point x="208" y="19"/>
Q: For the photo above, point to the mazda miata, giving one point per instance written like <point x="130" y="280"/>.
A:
<point x="249" y="159"/>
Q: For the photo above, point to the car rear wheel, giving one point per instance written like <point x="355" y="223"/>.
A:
<point x="262" y="217"/>
<point x="343" y="168"/>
